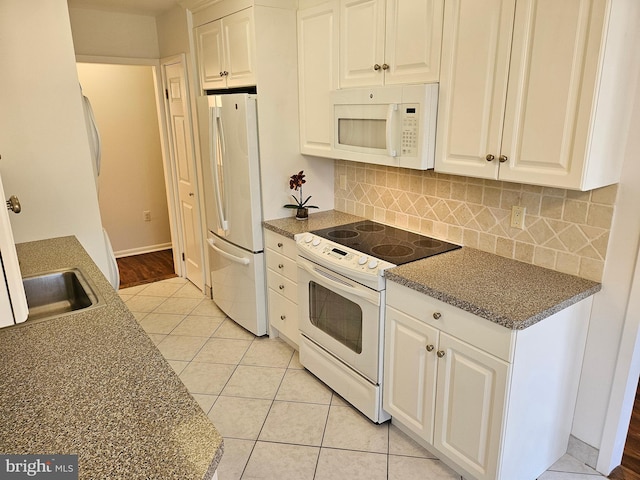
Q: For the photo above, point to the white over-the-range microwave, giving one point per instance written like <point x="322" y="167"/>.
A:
<point x="389" y="125"/>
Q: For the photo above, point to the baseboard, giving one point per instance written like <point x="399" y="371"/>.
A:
<point x="583" y="451"/>
<point x="141" y="250"/>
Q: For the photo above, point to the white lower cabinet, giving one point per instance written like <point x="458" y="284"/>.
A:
<point x="450" y="378"/>
<point x="282" y="289"/>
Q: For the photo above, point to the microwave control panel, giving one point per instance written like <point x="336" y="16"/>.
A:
<point x="409" y="130"/>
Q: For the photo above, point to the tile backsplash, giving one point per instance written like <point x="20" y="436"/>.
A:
<point x="564" y="230"/>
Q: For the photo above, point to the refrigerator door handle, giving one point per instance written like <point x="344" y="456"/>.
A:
<point x="233" y="258"/>
<point x="217" y="146"/>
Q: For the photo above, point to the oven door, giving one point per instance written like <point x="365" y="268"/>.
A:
<point x="341" y="316"/>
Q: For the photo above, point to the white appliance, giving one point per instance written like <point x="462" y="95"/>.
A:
<point x="13" y="302"/>
<point x="341" y="302"/>
<point x="390" y="125"/>
<point x="95" y="145"/>
<point x="231" y="170"/>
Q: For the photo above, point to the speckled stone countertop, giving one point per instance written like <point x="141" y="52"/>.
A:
<point x="93" y="384"/>
<point x="513" y="294"/>
<point x="289" y="226"/>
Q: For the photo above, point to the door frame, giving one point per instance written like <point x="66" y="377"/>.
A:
<point x="171" y="185"/>
<point x="171" y="173"/>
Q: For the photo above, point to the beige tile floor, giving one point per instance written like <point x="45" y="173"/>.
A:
<point x="278" y="420"/>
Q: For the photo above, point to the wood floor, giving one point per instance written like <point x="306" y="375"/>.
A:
<point x="630" y="468"/>
<point x="145" y="268"/>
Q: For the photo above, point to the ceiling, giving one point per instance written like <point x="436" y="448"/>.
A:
<point x="137" y="7"/>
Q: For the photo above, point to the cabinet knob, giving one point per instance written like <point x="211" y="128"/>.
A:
<point x="283" y="317"/>
<point x="377" y="67"/>
<point x="490" y="157"/>
<point x="385" y="66"/>
<point x="280" y="266"/>
<point x="222" y="74"/>
<point x="437" y="315"/>
<point x="503" y="158"/>
<point x="280" y="245"/>
<point x="441" y="353"/>
<point x="430" y="348"/>
<point x="281" y="287"/>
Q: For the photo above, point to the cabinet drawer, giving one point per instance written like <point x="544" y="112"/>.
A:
<point x="283" y="315"/>
<point x="282" y="285"/>
<point x="477" y="331"/>
<point x="280" y="244"/>
<point x="282" y="265"/>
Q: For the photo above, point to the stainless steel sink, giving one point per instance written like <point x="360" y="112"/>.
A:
<point x="57" y="293"/>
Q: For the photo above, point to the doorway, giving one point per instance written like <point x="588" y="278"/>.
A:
<point x="135" y="186"/>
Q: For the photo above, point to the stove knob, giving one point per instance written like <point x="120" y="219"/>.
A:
<point x="316" y="242"/>
<point x="373" y="264"/>
<point x="308" y="239"/>
<point x="362" y="260"/>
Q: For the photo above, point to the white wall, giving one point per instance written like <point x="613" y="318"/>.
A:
<point x="101" y="33"/>
<point x="173" y="32"/>
<point x="132" y="179"/>
<point x="43" y="139"/>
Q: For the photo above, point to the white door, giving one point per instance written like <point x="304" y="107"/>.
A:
<point x="410" y="372"/>
<point x="185" y="171"/>
<point x="471" y="391"/>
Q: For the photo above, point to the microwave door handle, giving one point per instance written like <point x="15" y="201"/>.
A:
<point x="217" y="145"/>
<point x="339" y="285"/>
<point x="392" y="114"/>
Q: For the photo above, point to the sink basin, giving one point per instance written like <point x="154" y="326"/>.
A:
<point x="53" y="294"/>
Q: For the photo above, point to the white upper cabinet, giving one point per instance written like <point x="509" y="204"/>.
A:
<point x="389" y="41"/>
<point x="226" y="51"/>
<point x="317" y="75"/>
<point x="530" y="94"/>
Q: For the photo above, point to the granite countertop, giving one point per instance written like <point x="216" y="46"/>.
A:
<point x="289" y="226"/>
<point x="513" y="294"/>
<point x="93" y="384"/>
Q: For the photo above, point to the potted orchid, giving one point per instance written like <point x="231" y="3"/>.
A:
<point x="302" y="209"/>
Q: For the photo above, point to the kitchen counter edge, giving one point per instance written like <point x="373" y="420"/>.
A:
<point x="113" y="430"/>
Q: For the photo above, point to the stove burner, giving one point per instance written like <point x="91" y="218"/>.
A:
<point x="370" y="227"/>
<point x="427" y="243"/>
<point x="343" y="234"/>
<point x="392" y="250"/>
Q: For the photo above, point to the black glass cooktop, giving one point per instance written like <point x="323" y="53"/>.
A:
<point x="384" y="242"/>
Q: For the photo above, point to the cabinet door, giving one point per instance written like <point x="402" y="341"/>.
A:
<point x="473" y="81"/>
<point x="361" y="42"/>
<point x="210" y="53"/>
<point x="413" y="40"/>
<point x="554" y="61"/>
<point x="470" y="400"/>
<point x="410" y="372"/>
<point x="317" y="76"/>
<point x="239" y="43"/>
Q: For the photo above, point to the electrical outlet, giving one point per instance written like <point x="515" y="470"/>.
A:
<point x="343" y="182"/>
<point x="517" y="216"/>
<point x="147" y="215"/>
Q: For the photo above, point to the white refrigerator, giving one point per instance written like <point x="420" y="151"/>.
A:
<point x="231" y="170"/>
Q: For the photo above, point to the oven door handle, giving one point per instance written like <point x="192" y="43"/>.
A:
<point x="362" y="292"/>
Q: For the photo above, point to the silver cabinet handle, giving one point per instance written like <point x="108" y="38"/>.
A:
<point x="280" y="266"/>
<point x="503" y="158"/>
<point x="377" y="67"/>
<point x="13" y="204"/>
<point x="490" y="157"/>
<point x="441" y="353"/>
<point x="437" y="315"/>
<point x="280" y="245"/>
<point x="281" y="287"/>
<point x="430" y="348"/>
<point x="385" y="66"/>
<point x="283" y="317"/>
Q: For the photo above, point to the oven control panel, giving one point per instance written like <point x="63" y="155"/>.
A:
<point x="345" y="260"/>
